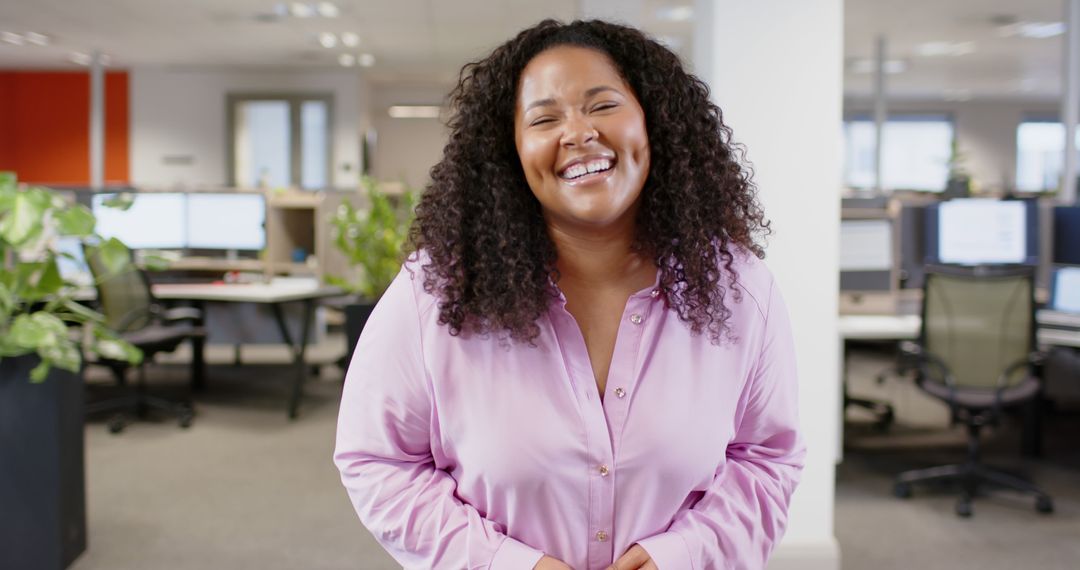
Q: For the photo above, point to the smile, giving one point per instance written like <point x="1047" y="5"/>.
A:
<point x="587" y="171"/>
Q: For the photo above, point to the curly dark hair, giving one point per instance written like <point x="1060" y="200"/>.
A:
<point x="490" y="259"/>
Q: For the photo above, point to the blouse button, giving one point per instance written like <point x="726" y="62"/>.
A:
<point x="655" y="293"/>
<point x="601" y="536"/>
<point x="636" y="319"/>
<point x="620" y="393"/>
<point x="604" y="470"/>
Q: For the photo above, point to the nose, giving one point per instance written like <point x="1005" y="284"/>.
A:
<point x="578" y="132"/>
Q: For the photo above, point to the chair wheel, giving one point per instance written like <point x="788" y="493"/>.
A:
<point x="186" y="419"/>
<point x="1044" y="504"/>
<point x="116" y="425"/>
<point x="902" y="490"/>
<point x="963" y="508"/>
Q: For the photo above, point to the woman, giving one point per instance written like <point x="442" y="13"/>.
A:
<point x="585" y="365"/>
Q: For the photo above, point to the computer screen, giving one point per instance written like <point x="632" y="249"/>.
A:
<point x="154" y="220"/>
<point x="866" y="255"/>
<point x="1067" y="235"/>
<point x="980" y="231"/>
<point x="71" y="262"/>
<point x="226" y="221"/>
<point x="1065" y="290"/>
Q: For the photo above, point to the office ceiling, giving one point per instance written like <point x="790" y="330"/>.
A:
<point x="428" y="40"/>
<point x="998" y="67"/>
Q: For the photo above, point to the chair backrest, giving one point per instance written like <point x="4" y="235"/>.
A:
<point x="124" y="296"/>
<point x="979" y="321"/>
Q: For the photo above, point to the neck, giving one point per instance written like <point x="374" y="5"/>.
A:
<point x="597" y="258"/>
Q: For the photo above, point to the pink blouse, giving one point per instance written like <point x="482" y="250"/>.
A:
<point x="469" y="453"/>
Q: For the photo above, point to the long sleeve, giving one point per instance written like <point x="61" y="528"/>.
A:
<point x="743" y="513"/>
<point x="384" y="454"/>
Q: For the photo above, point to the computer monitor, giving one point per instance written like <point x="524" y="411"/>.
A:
<point x="866" y="255"/>
<point x="154" y="220"/>
<point x="1065" y="290"/>
<point x="71" y="262"/>
<point x="1067" y="235"/>
<point x="226" y="221"/>
<point x="981" y="231"/>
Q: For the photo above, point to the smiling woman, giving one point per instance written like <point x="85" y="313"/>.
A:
<point x="585" y="364"/>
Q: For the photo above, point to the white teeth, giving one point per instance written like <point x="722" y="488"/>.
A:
<point x="581" y="169"/>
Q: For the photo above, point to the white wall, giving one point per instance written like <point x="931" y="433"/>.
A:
<point x="181" y="113"/>
<point x="776" y="72"/>
<point x="984" y="130"/>
<point x="407" y="148"/>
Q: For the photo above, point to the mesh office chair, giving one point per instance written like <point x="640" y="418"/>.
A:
<point x="130" y="310"/>
<point x="976" y="353"/>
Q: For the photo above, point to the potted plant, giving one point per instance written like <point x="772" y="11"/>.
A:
<point x="373" y="240"/>
<point x="959" y="183"/>
<point x="42" y="332"/>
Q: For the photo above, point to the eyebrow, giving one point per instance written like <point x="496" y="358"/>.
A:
<point x="592" y="91"/>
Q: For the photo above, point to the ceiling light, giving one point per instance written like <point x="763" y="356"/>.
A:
<point x="366" y="60"/>
<point x="37" y="39"/>
<point x="301" y="10"/>
<point x="347" y="59"/>
<point x="80" y="58"/>
<point x="327" y="40"/>
<point x="938" y="49"/>
<point x="675" y="13"/>
<point x="327" y="9"/>
<point x="11" y="38"/>
<point x="866" y="65"/>
<point x="350" y="39"/>
<point x="1034" y="30"/>
<point x="415" y="111"/>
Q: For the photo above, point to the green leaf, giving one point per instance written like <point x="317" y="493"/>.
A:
<point x="114" y="255"/>
<point x="27" y="332"/>
<point x="40" y="372"/>
<point x="24" y="221"/>
<point x="121" y="201"/>
<point x="77" y="220"/>
<point x="49" y="281"/>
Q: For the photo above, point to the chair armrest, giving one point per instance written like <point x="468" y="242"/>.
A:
<point x="182" y="314"/>
<point x="1032" y="359"/>
<point x="926" y="361"/>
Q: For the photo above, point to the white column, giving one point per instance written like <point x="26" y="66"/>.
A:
<point x="880" y="110"/>
<point x="97" y="121"/>
<point x="1070" y="100"/>
<point x="777" y="74"/>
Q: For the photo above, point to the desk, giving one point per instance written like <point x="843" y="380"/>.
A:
<point x="274" y="294"/>
<point x="1058" y="329"/>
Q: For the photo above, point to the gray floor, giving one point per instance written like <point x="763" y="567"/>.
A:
<point x="246" y="488"/>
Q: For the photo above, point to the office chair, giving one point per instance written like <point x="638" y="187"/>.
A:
<point x="976" y="354"/>
<point x="130" y="309"/>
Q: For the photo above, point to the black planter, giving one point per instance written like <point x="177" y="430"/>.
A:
<point x="356" y="315"/>
<point x="42" y="474"/>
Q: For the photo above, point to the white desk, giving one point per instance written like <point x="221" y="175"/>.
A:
<point x="1058" y="329"/>
<point x="275" y="294"/>
<point x="879" y="327"/>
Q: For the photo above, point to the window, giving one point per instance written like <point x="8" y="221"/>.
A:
<point x="1040" y="155"/>
<point x="279" y="141"/>
<point x="915" y="152"/>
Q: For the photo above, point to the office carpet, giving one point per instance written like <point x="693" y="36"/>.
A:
<point x="245" y="488"/>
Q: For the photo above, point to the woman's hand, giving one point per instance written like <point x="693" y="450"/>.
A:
<point x="635" y="558"/>
<point x="549" y="563"/>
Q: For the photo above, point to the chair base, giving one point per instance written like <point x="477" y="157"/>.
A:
<point x="140" y="405"/>
<point x="971" y="476"/>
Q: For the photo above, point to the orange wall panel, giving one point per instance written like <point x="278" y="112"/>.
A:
<point x="49" y="118"/>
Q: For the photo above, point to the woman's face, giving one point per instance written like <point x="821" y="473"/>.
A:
<point x="580" y="135"/>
